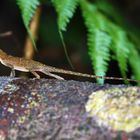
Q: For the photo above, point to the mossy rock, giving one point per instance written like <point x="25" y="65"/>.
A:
<point x="116" y="108"/>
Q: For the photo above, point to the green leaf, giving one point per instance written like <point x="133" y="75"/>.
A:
<point x="134" y="61"/>
<point x="99" y="41"/>
<point x="108" y="9"/>
<point x="65" y="10"/>
<point x="120" y="47"/>
<point x="28" y="8"/>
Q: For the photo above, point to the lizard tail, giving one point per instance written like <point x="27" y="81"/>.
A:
<point x="57" y="70"/>
<point x="48" y="70"/>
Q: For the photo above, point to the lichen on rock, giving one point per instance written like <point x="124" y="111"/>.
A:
<point x="116" y="108"/>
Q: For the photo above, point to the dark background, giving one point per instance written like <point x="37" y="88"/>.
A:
<point x="50" y="50"/>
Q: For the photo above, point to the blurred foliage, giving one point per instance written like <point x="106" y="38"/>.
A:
<point x="28" y="8"/>
<point x="108" y="36"/>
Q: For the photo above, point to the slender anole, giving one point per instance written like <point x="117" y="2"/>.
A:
<point x="28" y="65"/>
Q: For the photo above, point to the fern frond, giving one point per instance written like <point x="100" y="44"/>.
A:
<point x="134" y="61"/>
<point x="65" y="10"/>
<point x="126" y="41"/>
<point x="99" y="41"/>
<point x="28" y="8"/>
<point x="120" y="47"/>
<point x="107" y="8"/>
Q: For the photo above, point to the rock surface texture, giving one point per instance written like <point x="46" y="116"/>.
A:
<point x="50" y="109"/>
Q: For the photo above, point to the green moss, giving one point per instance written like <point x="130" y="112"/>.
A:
<point x="116" y="108"/>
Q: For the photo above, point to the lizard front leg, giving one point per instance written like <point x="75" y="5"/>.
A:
<point x="12" y="74"/>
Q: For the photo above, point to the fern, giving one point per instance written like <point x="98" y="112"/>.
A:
<point x="134" y="62"/>
<point x="103" y="34"/>
<point x="99" y="40"/>
<point x="99" y="43"/>
<point x="120" y="47"/>
<point x="109" y="10"/>
<point x="65" y="10"/>
<point x="121" y="42"/>
<point x="28" y="8"/>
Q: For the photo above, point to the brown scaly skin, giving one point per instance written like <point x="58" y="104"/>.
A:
<point x="28" y="65"/>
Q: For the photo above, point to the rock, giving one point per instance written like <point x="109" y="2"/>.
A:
<point x="50" y="109"/>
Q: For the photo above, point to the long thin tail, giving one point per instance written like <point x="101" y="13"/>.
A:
<point x="57" y="70"/>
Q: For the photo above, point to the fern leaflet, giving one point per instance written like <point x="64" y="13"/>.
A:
<point x="65" y="10"/>
<point x="120" y="47"/>
<point x="99" y="40"/>
<point x="134" y="61"/>
<point x="28" y="8"/>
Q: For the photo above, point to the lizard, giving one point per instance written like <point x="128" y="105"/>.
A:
<point x="29" y="65"/>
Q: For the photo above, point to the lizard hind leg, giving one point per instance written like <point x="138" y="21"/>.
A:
<point x="52" y="75"/>
<point x="55" y="76"/>
<point x="35" y="74"/>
